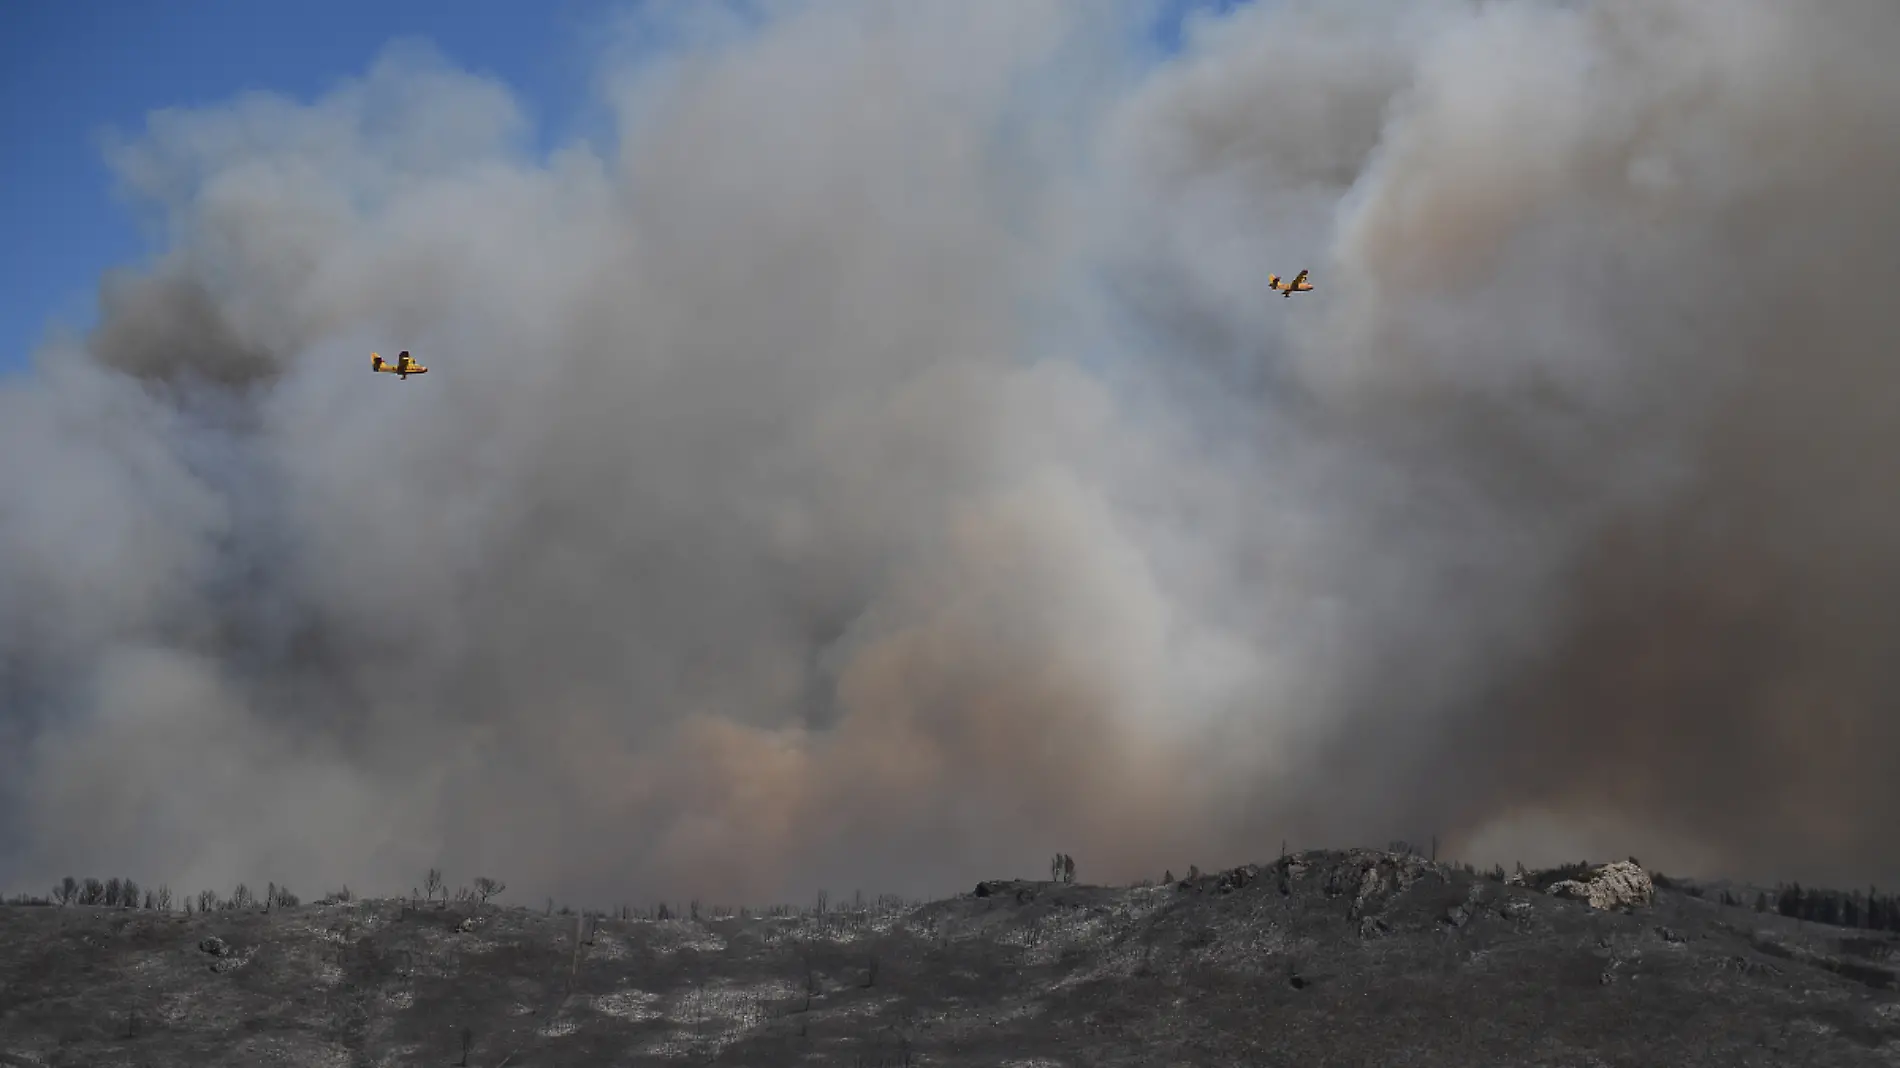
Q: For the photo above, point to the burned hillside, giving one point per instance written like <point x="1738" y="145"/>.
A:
<point x="1325" y="957"/>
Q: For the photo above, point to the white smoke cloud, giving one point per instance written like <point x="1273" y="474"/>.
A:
<point x="885" y="467"/>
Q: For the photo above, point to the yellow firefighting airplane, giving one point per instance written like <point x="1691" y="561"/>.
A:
<point x="404" y="366"/>
<point x="1287" y="289"/>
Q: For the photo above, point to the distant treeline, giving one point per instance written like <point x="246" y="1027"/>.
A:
<point x="112" y="893"/>
<point x="128" y="894"/>
<point x="1868" y="910"/>
<point x="1871" y="910"/>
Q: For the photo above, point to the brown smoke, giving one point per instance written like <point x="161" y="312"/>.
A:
<point x="1609" y="309"/>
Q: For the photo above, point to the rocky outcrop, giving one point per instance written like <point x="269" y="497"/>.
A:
<point x="1619" y="885"/>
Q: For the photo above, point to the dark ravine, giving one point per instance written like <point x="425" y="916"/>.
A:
<point x="1322" y="958"/>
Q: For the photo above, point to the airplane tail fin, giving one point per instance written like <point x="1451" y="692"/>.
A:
<point x="375" y="362"/>
<point x="1273" y="281"/>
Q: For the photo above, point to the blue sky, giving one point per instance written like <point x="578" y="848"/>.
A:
<point x="71" y="69"/>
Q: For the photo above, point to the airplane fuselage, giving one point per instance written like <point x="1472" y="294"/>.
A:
<point x="1287" y="289"/>
<point x="402" y="368"/>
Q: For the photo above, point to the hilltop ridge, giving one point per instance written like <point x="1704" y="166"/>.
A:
<point x="1321" y="957"/>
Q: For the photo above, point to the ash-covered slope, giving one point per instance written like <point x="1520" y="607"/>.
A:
<point x="1321" y="958"/>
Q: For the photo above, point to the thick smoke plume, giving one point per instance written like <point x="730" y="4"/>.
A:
<point x="883" y="465"/>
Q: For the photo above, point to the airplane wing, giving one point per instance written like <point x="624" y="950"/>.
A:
<point x="1301" y="277"/>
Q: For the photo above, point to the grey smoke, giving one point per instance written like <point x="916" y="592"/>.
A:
<point x="884" y="466"/>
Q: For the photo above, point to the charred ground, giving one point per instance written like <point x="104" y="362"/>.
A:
<point x="1354" y="957"/>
